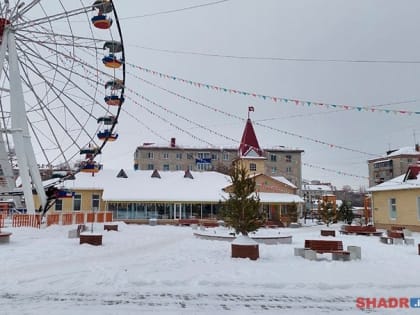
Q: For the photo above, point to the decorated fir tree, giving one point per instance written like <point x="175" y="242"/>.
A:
<point x="327" y="213"/>
<point x="241" y="211"/>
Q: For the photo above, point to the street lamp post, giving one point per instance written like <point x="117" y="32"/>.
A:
<point x="305" y="197"/>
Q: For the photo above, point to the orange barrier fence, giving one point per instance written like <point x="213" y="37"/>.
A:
<point x="100" y="217"/>
<point x="53" y="219"/>
<point x="33" y="220"/>
<point x="1" y="221"/>
<point x="27" y="220"/>
<point x="67" y="218"/>
<point x="80" y="218"/>
<point x="108" y="217"/>
<point x="90" y="218"/>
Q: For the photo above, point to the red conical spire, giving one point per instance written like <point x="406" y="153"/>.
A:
<point x="249" y="141"/>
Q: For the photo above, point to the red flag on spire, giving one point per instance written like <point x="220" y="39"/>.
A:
<point x="251" y="108"/>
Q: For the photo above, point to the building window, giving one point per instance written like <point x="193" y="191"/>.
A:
<point x="179" y="156"/>
<point x="288" y="170"/>
<point x="165" y="156"/>
<point x="58" y="204"/>
<point x="392" y="208"/>
<point x="274" y="170"/>
<point x="178" y="167"/>
<point x="150" y="167"/>
<point x="252" y="167"/>
<point x="190" y="156"/>
<point x="77" y="202"/>
<point x="225" y="156"/>
<point x="150" y="155"/>
<point x="203" y="155"/>
<point x="166" y="167"/>
<point x="95" y="202"/>
<point x="204" y="166"/>
<point x="288" y="158"/>
<point x="273" y="158"/>
<point x="214" y="156"/>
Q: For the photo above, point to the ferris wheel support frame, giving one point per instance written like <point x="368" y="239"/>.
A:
<point x="25" y="155"/>
<point x="4" y="158"/>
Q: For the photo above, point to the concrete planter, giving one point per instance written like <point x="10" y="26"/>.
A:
<point x="245" y="247"/>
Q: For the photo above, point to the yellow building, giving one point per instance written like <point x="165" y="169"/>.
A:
<point x="165" y="195"/>
<point x="397" y="202"/>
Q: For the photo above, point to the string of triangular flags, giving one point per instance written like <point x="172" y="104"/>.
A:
<point x="276" y="98"/>
<point x="329" y="145"/>
<point x="334" y="171"/>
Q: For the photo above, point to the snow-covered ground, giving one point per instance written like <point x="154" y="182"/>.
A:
<point x="166" y="270"/>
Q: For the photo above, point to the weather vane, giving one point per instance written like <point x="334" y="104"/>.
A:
<point x="250" y="109"/>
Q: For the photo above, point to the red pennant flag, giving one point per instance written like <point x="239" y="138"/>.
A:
<point x="251" y="108"/>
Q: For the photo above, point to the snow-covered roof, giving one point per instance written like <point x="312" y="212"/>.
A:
<point x="397" y="183"/>
<point x="312" y="187"/>
<point x="404" y="150"/>
<point x="278" y="197"/>
<point x="284" y="181"/>
<point x="140" y="186"/>
<point x="171" y="186"/>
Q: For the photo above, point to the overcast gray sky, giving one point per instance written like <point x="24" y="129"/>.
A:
<point x="273" y="30"/>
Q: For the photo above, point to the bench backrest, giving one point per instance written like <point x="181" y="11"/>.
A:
<point x="359" y="228"/>
<point x="395" y="234"/>
<point x="397" y="228"/>
<point x="323" y="246"/>
<point x="188" y="221"/>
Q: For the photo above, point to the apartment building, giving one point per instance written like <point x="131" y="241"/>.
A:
<point x="279" y="161"/>
<point x="394" y="163"/>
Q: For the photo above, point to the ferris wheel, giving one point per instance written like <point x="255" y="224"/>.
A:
<point x="61" y="90"/>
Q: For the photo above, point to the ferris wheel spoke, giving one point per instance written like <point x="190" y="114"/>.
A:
<point x="47" y="115"/>
<point x="58" y="95"/>
<point x="34" y="59"/>
<point x="52" y="18"/>
<point x="82" y="129"/>
<point x="60" y="44"/>
<point x="75" y="85"/>
<point x="25" y="9"/>
<point x="39" y="131"/>
<point x="48" y="34"/>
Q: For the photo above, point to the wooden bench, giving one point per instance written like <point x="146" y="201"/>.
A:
<point x="273" y="224"/>
<point x="187" y="222"/>
<point x="395" y="234"/>
<point x="111" y="227"/>
<point x="92" y="239"/>
<point x="397" y="228"/>
<point x="324" y="246"/>
<point x="360" y="230"/>
<point x="394" y="237"/>
<point x="209" y="223"/>
<point x="5" y="237"/>
<point x="327" y="232"/>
